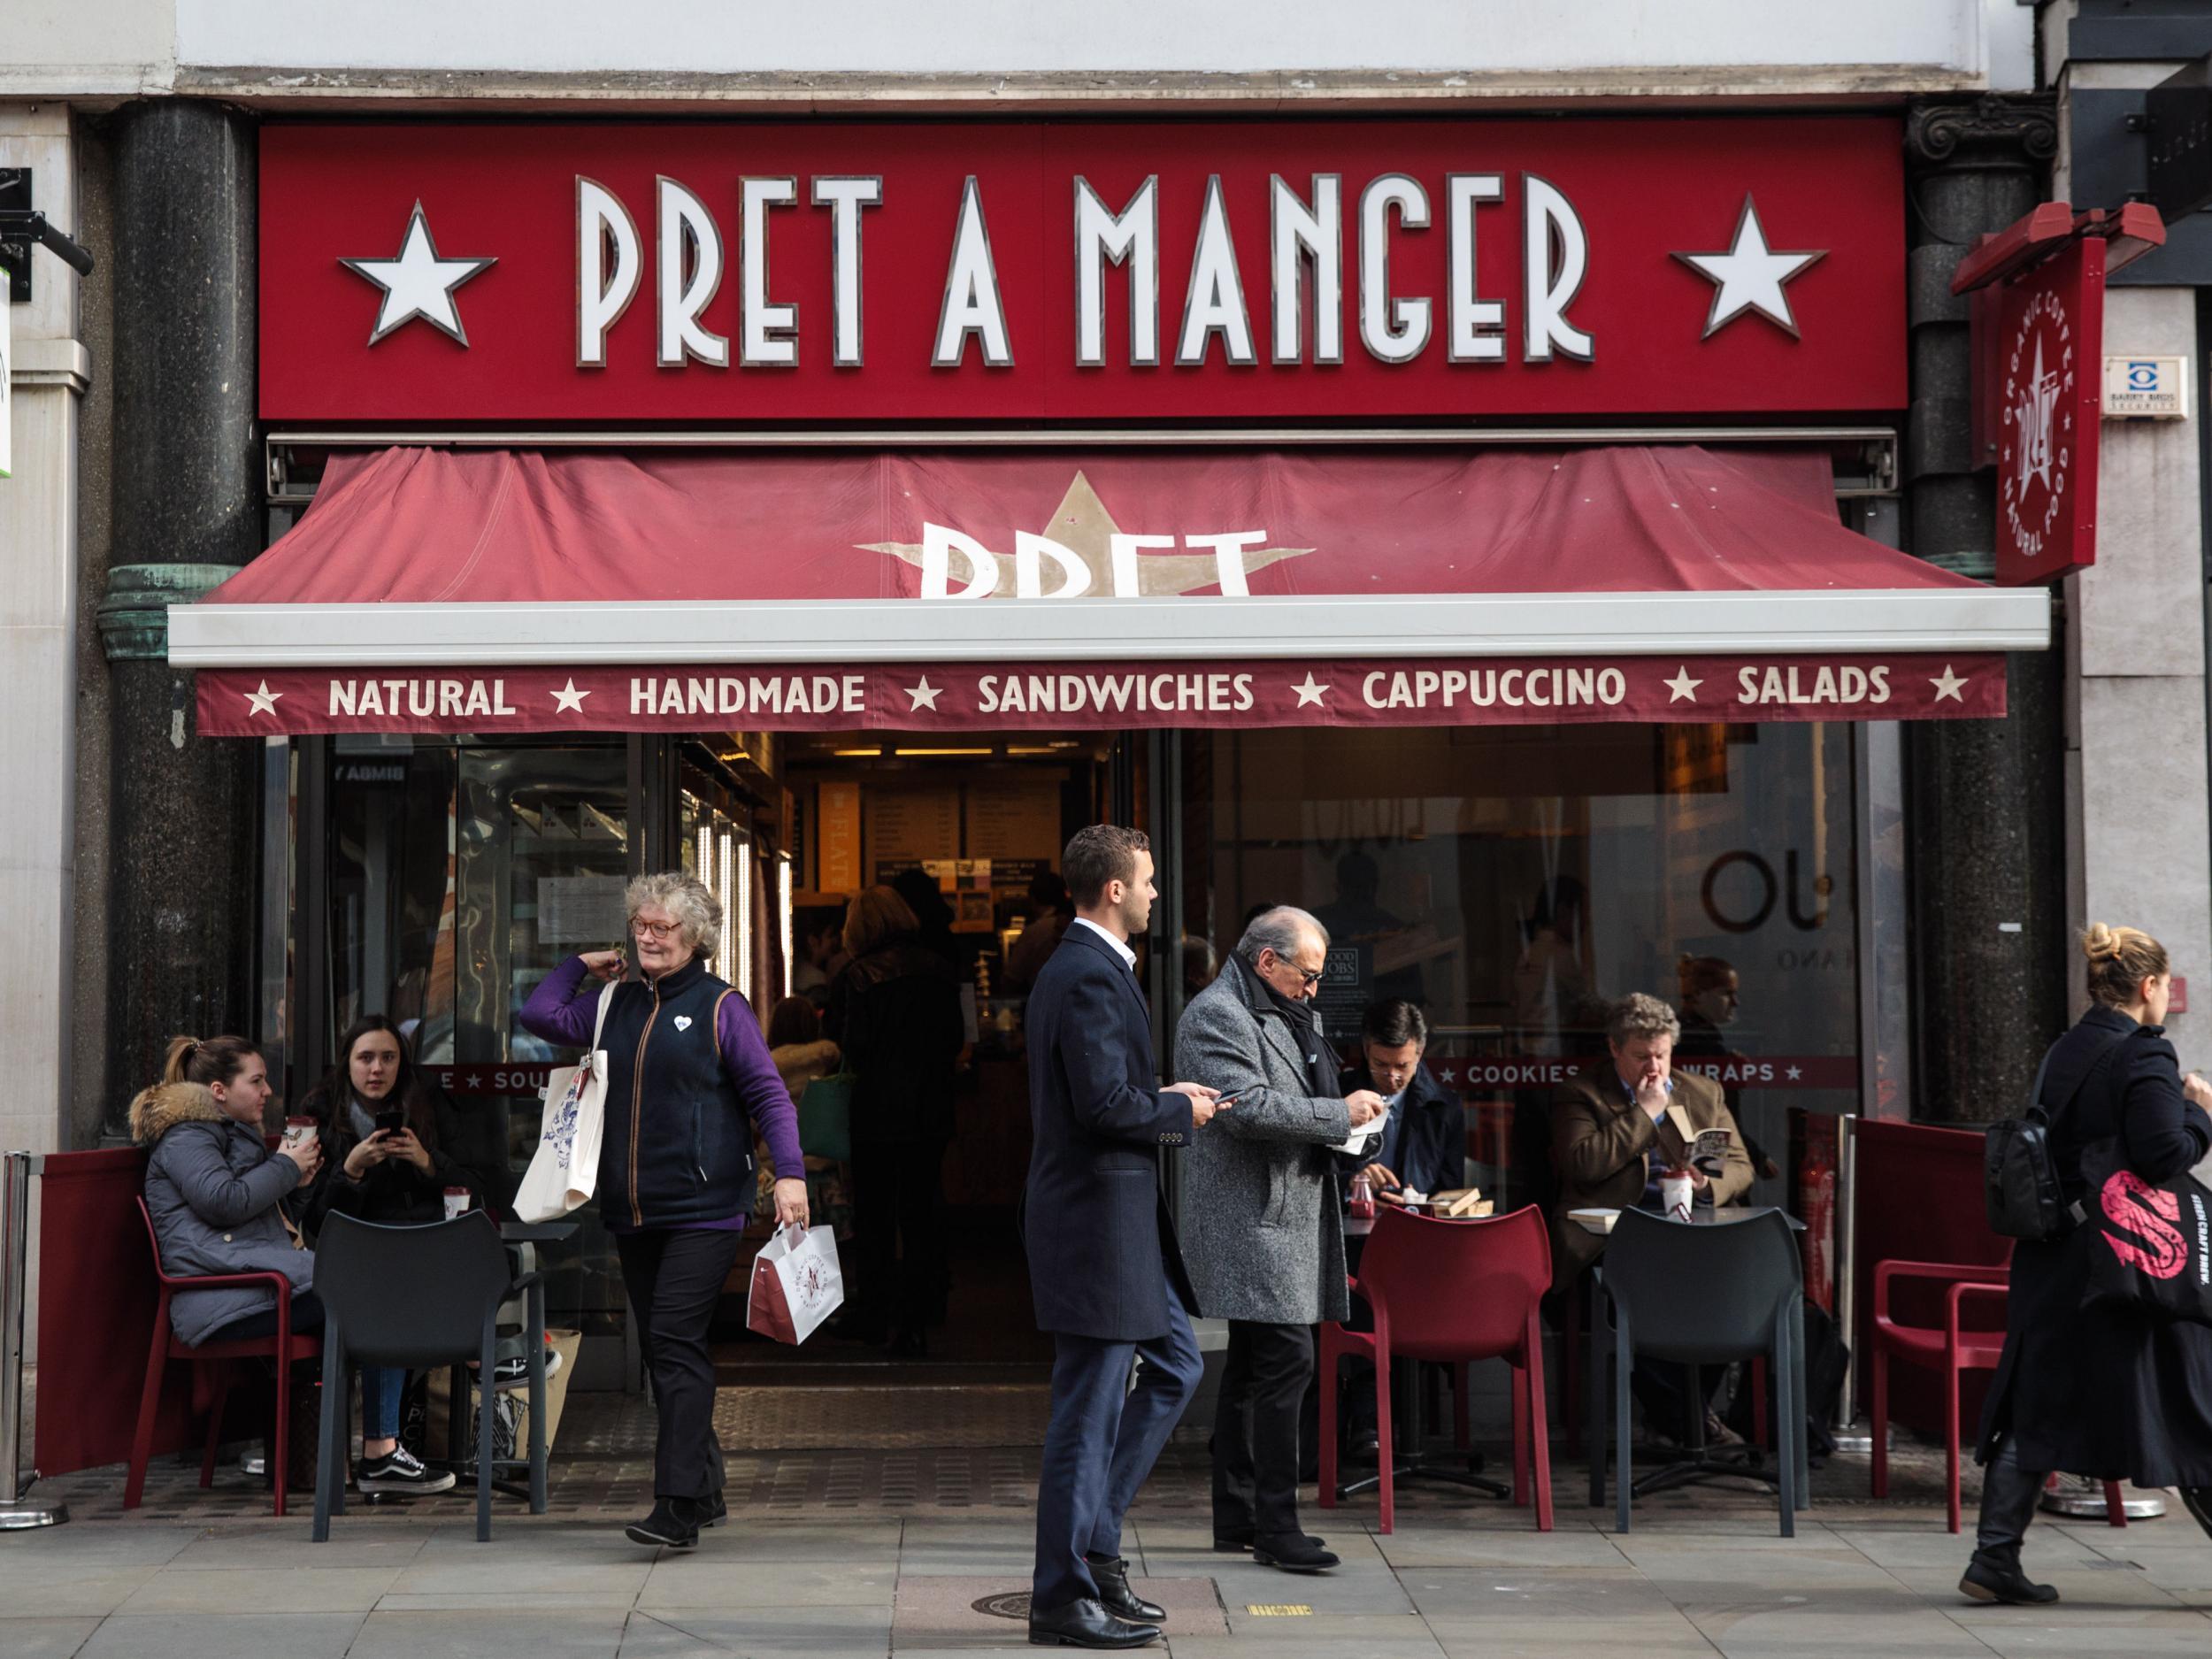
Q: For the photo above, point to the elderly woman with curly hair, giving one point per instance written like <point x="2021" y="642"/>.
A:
<point x="689" y="1083"/>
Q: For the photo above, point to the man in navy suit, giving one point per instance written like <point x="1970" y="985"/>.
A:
<point x="1104" y="1267"/>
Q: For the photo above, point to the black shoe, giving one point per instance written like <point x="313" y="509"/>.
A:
<point x="712" y="1510"/>
<point x="1996" y="1577"/>
<point x="1293" y="1552"/>
<point x="400" y="1472"/>
<point x="673" y="1524"/>
<point x="2198" y="1501"/>
<point x="1086" y="1624"/>
<point x="1230" y="1543"/>
<point x="1111" y="1573"/>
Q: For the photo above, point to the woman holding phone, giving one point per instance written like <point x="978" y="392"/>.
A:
<point x="385" y="1137"/>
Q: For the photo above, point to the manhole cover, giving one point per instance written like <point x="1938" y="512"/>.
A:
<point x="1015" y="1604"/>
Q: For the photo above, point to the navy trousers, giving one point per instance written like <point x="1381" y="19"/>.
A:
<point x="1103" y="1441"/>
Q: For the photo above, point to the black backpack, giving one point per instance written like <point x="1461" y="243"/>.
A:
<point x="2019" y="1179"/>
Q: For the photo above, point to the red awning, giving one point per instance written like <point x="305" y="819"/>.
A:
<point x="472" y="590"/>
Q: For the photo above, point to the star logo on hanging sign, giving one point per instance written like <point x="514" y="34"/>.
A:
<point x="1949" y="685"/>
<point x="1682" y="688"/>
<point x="922" y="694"/>
<point x="1311" y="692"/>
<point x="1748" y="277"/>
<point x="568" y="699"/>
<point x="418" y="283"/>
<point x="262" y="700"/>
<point x="1081" y="524"/>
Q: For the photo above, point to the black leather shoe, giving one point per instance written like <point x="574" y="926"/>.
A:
<point x="1111" y="1573"/>
<point x="1086" y="1623"/>
<point x="713" y="1511"/>
<point x="673" y="1524"/>
<point x="1995" y="1576"/>
<point x="1294" y="1551"/>
<point x="1231" y="1543"/>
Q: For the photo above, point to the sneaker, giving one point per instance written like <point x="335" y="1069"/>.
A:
<point x="673" y="1524"/>
<point x="400" y="1471"/>
<point x="1717" y="1433"/>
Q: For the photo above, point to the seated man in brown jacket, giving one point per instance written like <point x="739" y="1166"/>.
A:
<point x="1611" y="1141"/>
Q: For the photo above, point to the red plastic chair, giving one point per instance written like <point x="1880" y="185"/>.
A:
<point x="284" y="1348"/>
<point x="1453" y="1292"/>
<point x="1947" y="1348"/>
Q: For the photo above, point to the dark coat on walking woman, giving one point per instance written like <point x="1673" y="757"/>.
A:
<point x="2107" y="1393"/>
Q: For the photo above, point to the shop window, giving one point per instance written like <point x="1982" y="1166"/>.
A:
<point x="1513" y="883"/>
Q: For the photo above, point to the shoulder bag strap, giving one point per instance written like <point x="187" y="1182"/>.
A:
<point x="599" y="1022"/>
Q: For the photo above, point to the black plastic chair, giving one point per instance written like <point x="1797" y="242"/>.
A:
<point x="419" y="1296"/>
<point x="1696" y="1294"/>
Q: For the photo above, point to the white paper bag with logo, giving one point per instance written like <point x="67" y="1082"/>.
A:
<point x="565" y="1167"/>
<point x="796" y="1284"/>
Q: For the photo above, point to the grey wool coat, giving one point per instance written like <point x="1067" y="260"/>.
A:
<point x="215" y="1193"/>
<point x="1263" y="1223"/>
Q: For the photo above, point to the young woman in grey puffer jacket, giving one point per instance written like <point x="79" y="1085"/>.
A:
<point x="216" y="1191"/>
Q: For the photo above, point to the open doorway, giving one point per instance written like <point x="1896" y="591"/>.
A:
<point x="968" y="832"/>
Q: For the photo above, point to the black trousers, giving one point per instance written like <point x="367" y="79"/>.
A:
<point x="897" y="1234"/>
<point x="1264" y="1381"/>
<point x="675" y="1276"/>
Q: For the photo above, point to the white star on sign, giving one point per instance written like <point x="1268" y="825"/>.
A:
<point x="569" y="699"/>
<point x="263" y="701"/>
<point x="1949" y="685"/>
<point x="922" y="694"/>
<point x="418" y="283"/>
<point x="1794" y="1073"/>
<point x="1310" y="694"/>
<point x="1749" y="276"/>
<point x="1682" y="688"/>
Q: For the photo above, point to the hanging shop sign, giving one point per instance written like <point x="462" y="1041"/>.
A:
<point x="709" y="273"/>
<point x="1108" y="696"/>
<point x="2040" y="375"/>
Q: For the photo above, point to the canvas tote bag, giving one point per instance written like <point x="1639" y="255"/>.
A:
<point x="565" y="1167"/>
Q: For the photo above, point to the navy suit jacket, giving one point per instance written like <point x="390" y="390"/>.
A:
<point x="1101" y="1245"/>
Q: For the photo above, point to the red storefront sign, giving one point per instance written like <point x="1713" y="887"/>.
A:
<point x="2048" y="377"/>
<point x="952" y="698"/>
<point x="1084" y="271"/>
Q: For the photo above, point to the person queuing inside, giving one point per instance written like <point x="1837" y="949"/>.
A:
<point x="216" y="1191"/>
<point x="689" y="1081"/>
<point x="386" y="1136"/>
<point x="1613" y="1141"/>
<point x="1712" y="997"/>
<point x="895" y="1013"/>
<point x="2110" y="1392"/>
<point x="804" y="1056"/>
<point x="1264" y="1218"/>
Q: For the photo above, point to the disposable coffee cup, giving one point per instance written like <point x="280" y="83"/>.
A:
<point x="457" y="1201"/>
<point x="298" y="1133"/>
<point x="1674" y="1196"/>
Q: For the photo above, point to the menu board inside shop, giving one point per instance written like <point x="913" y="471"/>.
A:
<point x="1016" y="825"/>
<point x="911" y="824"/>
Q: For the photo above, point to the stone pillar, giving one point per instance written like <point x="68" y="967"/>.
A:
<point x="1987" y="854"/>
<point x="186" y="514"/>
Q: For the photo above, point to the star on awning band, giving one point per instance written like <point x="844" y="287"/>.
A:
<point x="418" y="283"/>
<point x="1749" y="275"/>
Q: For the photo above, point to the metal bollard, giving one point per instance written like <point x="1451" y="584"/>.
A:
<point x="15" y="1300"/>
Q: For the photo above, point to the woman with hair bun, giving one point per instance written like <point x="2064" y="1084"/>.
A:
<point x="2107" y="1393"/>
<point x="216" y="1193"/>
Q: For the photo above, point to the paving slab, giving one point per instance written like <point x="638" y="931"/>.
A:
<point x="224" y="1636"/>
<point x="688" y="1582"/>
<point x="769" y="1633"/>
<point x="939" y="1611"/>
<point x="1657" y="1638"/>
<point x="43" y="1638"/>
<point x="1525" y="1594"/>
<point x="489" y="1635"/>
<point x="298" y="1590"/>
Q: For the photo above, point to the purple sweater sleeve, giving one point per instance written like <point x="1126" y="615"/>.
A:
<point x="557" y="1011"/>
<point x="760" y="1086"/>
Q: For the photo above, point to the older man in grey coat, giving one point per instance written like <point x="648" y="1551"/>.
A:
<point x="1263" y="1223"/>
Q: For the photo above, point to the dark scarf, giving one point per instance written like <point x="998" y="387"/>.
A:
<point x="1325" y="1072"/>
